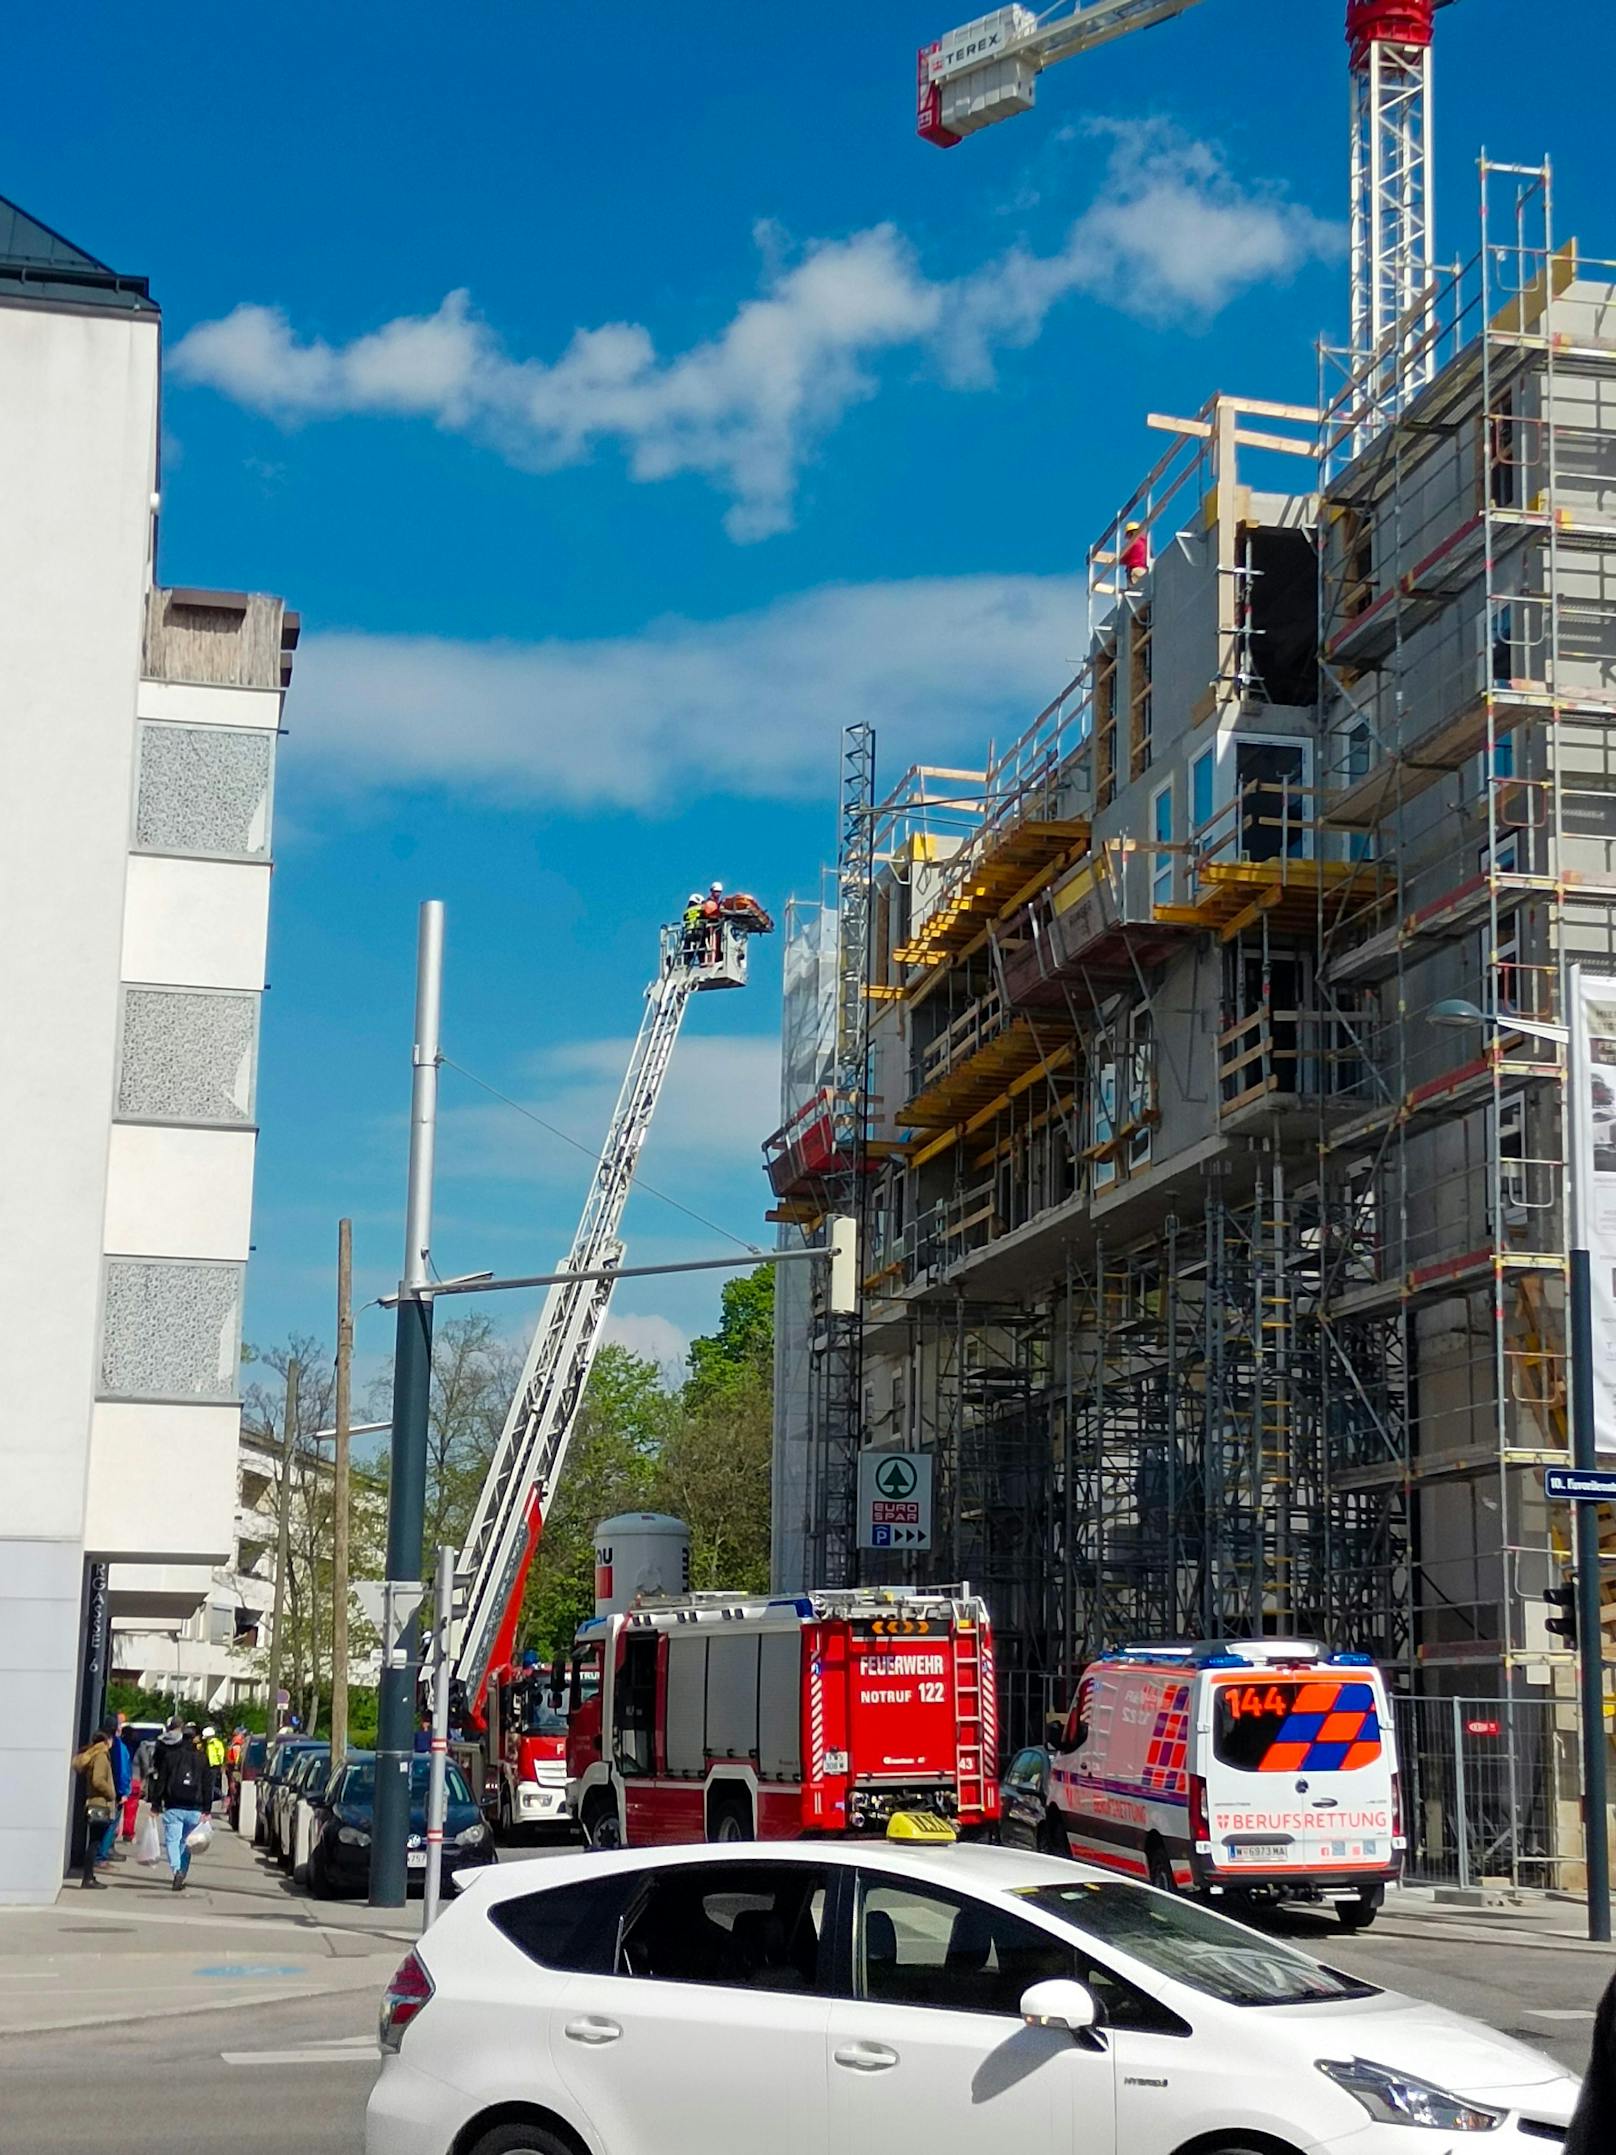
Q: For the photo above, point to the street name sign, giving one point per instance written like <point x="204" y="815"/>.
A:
<point x="894" y="1500"/>
<point x="1580" y="1485"/>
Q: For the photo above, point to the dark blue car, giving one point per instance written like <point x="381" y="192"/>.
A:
<point x="344" y="1815"/>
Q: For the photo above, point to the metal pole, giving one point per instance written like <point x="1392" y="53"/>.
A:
<point x="412" y="1381"/>
<point x="283" y="1538"/>
<point x="442" y="1616"/>
<point x="1585" y="1455"/>
<point x="1461" y="1814"/>
<point x="339" y="1497"/>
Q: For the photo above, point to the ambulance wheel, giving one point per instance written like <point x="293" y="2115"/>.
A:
<point x="1359" y="1914"/>
<point x="1159" y="1869"/>
<point x="602" y="1827"/>
<point x="1052" y="1839"/>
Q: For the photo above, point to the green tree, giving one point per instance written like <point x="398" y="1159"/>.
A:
<point x="714" y="1466"/>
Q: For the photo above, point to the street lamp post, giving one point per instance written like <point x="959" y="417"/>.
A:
<point x="1584" y="1423"/>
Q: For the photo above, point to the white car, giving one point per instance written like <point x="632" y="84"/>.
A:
<point x="881" y="1998"/>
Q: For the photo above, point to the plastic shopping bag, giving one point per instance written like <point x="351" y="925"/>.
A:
<point x="148" y="1841"/>
<point x="200" y="1838"/>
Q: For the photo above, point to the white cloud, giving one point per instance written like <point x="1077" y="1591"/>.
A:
<point x="1170" y="234"/>
<point x="719" y="1101"/>
<point x="751" y="705"/>
<point x="659" y="1339"/>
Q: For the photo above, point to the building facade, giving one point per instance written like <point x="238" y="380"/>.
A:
<point x="1221" y="1273"/>
<point x="140" y="732"/>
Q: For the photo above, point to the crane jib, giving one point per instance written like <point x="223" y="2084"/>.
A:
<point x="530" y="1455"/>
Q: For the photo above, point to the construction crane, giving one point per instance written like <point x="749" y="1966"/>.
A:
<point x="988" y="70"/>
<point x="532" y="1448"/>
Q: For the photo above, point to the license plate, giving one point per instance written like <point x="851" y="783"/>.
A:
<point x="416" y="1859"/>
<point x="1263" y="1851"/>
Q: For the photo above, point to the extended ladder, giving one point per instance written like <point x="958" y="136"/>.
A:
<point x="532" y="1448"/>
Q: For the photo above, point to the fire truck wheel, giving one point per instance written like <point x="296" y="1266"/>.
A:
<point x="1159" y="1867"/>
<point x="729" y="1820"/>
<point x="602" y="1827"/>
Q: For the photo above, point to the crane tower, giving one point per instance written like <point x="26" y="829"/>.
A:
<point x="988" y="70"/>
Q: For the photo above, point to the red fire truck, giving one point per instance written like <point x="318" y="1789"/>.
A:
<point x="722" y="1718"/>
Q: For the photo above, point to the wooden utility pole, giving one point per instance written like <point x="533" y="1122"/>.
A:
<point x="283" y="1539"/>
<point x="339" y="1498"/>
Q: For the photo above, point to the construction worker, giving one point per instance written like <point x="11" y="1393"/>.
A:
<point x="691" y="918"/>
<point x="711" y="913"/>
<point x="1135" y="553"/>
<point x="212" y="1748"/>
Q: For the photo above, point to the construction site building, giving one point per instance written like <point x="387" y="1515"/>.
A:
<point x="1214" y="1213"/>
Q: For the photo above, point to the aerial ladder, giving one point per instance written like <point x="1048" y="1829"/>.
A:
<point x="528" y="1460"/>
<point x="988" y="71"/>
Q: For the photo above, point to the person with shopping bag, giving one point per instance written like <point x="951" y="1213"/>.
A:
<point x="179" y="1791"/>
<point x="94" y="1765"/>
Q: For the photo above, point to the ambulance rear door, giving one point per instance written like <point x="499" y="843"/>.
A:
<point x="1299" y="1769"/>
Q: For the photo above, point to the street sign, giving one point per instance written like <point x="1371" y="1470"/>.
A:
<point x="894" y="1500"/>
<point x="371" y="1595"/>
<point x="1580" y="1485"/>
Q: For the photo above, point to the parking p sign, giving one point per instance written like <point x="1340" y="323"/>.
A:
<point x="894" y="1500"/>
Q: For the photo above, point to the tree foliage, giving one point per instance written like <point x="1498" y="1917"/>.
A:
<point x="697" y="1447"/>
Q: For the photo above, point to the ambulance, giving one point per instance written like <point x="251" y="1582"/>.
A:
<point x="1261" y="1769"/>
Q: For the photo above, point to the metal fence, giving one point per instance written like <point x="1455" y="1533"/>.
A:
<point x="1482" y="1794"/>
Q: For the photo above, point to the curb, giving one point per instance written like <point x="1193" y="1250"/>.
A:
<point x="1472" y="1934"/>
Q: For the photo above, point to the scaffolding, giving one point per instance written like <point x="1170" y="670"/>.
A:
<point x="1225" y="1284"/>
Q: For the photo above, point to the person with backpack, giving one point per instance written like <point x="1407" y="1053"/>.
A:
<point x="94" y="1763"/>
<point x="179" y="1793"/>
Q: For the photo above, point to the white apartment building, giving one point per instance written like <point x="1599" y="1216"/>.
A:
<point x="138" y="729"/>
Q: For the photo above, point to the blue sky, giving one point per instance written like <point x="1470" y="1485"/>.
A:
<point x="626" y="413"/>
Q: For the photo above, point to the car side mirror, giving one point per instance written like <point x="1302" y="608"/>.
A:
<point x="1059" y="2003"/>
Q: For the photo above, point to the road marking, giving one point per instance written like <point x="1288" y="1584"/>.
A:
<point x="346" y="2050"/>
<point x="1546" y="2012"/>
<point x="251" y="1970"/>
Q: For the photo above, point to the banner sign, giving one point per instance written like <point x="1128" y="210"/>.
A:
<point x="1591" y="1146"/>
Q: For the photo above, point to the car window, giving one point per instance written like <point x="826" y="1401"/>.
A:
<point x="1027" y="1769"/>
<point x="921" y="1945"/>
<point x="1193" y="1946"/>
<point x="752" y="1926"/>
<point x="573" y="1927"/>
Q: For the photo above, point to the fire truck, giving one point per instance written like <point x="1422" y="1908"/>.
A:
<point x="512" y="1741"/>
<point x="720" y="1717"/>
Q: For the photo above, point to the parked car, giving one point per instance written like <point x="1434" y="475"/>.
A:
<point x="282" y="1757"/>
<point x="313" y="1763"/>
<point x="344" y="1817"/>
<point x="1026" y="1819"/>
<point x="910" y="1999"/>
<point x="249" y="1767"/>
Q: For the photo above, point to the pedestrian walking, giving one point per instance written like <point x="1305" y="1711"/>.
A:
<point x="94" y="1766"/>
<point x="1593" y="2129"/>
<point x="213" y="1752"/>
<point x="180" y="1794"/>
<point x="123" y="1779"/>
<point x="136" y="1782"/>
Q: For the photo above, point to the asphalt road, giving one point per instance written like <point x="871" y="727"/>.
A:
<point x="291" y="2079"/>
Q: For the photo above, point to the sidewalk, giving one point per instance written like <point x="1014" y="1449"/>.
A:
<point x="1548" y="1922"/>
<point x="240" y="1934"/>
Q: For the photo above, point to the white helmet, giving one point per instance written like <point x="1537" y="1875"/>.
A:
<point x="716" y="890"/>
<point x="694" y="898"/>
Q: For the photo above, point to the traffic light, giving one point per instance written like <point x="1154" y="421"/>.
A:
<point x="1563" y="1623"/>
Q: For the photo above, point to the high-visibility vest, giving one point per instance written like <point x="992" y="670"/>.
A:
<point x="215" y="1750"/>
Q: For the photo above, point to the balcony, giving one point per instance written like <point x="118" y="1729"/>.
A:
<point x="1099" y="929"/>
<point x="967" y="1068"/>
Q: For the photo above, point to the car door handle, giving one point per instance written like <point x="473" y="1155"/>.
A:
<point x="866" y="2057"/>
<point x="592" y="2029"/>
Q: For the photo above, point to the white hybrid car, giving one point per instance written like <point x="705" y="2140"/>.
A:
<point x="884" y="1998"/>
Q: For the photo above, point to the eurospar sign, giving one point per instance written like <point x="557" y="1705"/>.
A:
<point x="894" y="1500"/>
